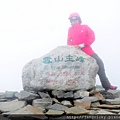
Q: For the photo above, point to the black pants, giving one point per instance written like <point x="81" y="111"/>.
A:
<point x="101" y="72"/>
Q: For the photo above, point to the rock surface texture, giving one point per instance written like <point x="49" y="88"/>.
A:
<point x="64" y="68"/>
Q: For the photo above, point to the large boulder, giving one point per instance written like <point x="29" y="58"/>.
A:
<point x="64" y="68"/>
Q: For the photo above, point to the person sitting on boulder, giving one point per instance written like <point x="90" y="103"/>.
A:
<point x="82" y="36"/>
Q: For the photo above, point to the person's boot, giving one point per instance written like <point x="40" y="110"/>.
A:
<point x="113" y="87"/>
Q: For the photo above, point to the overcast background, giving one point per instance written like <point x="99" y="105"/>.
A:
<point x="31" y="28"/>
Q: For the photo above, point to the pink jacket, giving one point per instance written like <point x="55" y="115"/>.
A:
<point x="78" y="34"/>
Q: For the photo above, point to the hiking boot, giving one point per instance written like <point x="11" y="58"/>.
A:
<point x="111" y="88"/>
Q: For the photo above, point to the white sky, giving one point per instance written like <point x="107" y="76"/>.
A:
<point x="31" y="28"/>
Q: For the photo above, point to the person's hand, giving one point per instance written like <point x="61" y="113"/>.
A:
<point x="81" y="46"/>
<point x="77" y="46"/>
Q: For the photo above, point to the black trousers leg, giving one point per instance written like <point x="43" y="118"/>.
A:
<point x="101" y="72"/>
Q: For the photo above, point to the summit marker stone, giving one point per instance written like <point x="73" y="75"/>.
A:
<point x="64" y="68"/>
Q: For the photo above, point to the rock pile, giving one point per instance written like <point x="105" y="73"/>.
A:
<point x="60" y="86"/>
<point x="58" y="104"/>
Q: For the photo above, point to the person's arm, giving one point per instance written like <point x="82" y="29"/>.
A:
<point x="90" y="36"/>
<point x="69" y="39"/>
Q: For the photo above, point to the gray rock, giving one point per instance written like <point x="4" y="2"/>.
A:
<point x="97" y="108"/>
<point x="66" y="103"/>
<point x="1" y="93"/>
<point x="44" y="95"/>
<point x="3" y="118"/>
<point x="77" y="110"/>
<point x="81" y="94"/>
<point x="99" y="88"/>
<point x="57" y="93"/>
<point x="12" y="105"/>
<point x="55" y="100"/>
<point x="26" y="110"/>
<point x="57" y="107"/>
<point x="44" y="102"/>
<point x="109" y="106"/>
<point x="3" y="100"/>
<point x="24" y="95"/>
<point x="66" y="95"/>
<point x="41" y="109"/>
<point x="54" y="112"/>
<point x="8" y="94"/>
<point x="92" y="112"/>
<point x="86" y="105"/>
<point x="115" y="101"/>
<point x="114" y="93"/>
<point x="65" y="68"/>
<point x="95" y="104"/>
<point x="105" y="112"/>
<point x="86" y="99"/>
<point x="107" y="95"/>
<point x="93" y="91"/>
<point x="114" y="111"/>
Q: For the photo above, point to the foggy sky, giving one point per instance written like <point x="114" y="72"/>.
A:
<point x="31" y="28"/>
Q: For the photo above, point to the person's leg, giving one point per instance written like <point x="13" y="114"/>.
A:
<point x="101" y="72"/>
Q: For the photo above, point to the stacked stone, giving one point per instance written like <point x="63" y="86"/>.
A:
<point x="52" y="104"/>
